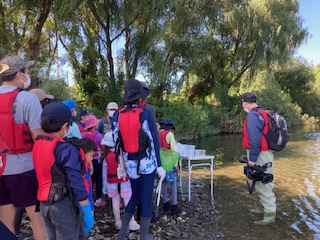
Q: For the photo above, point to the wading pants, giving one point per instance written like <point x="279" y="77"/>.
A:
<point x="265" y="191"/>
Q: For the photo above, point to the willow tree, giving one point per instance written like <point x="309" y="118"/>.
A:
<point x="213" y="43"/>
<point x="105" y="41"/>
<point x="23" y="30"/>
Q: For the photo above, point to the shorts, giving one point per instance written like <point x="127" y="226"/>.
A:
<point x="125" y="189"/>
<point x="20" y="189"/>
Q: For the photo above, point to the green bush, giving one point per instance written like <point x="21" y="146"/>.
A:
<point x="271" y="96"/>
<point x="190" y="121"/>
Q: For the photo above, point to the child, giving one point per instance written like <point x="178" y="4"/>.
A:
<point x="87" y="149"/>
<point x="61" y="189"/>
<point x="167" y="140"/>
<point x="90" y="132"/>
<point x="111" y="182"/>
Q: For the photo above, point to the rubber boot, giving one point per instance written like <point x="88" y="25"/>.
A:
<point x="268" y="218"/>
<point x="144" y="229"/>
<point x="256" y="210"/>
<point x="124" y="231"/>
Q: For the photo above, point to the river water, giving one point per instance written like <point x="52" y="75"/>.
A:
<point x="297" y="187"/>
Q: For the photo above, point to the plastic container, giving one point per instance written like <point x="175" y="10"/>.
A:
<point x="199" y="153"/>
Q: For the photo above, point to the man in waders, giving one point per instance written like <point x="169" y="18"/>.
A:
<point x="258" y="153"/>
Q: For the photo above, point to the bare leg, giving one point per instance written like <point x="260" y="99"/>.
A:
<point x="37" y="224"/>
<point x="7" y="215"/>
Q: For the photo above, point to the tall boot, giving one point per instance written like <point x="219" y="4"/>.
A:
<point x="125" y="226"/>
<point x="268" y="218"/>
<point x="144" y="229"/>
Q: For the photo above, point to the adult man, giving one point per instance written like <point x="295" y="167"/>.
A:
<point x="43" y="97"/>
<point x="258" y="153"/>
<point x="20" y="113"/>
<point x="105" y="122"/>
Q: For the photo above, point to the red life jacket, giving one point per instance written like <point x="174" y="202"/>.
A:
<point x="81" y="129"/>
<point x="129" y="127"/>
<point x="4" y="149"/>
<point x="245" y="138"/>
<point x="16" y="136"/>
<point x="43" y="160"/>
<point x="112" y="166"/>
<point x="163" y="142"/>
<point x="87" y="182"/>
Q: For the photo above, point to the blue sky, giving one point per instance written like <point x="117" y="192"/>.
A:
<point x="309" y="11"/>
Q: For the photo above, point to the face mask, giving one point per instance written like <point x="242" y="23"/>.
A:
<point x="111" y="113"/>
<point x="65" y="133"/>
<point x="246" y="110"/>
<point x="27" y="83"/>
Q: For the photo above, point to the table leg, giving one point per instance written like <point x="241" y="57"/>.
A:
<point x="180" y="170"/>
<point x="189" y="180"/>
<point x="211" y="170"/>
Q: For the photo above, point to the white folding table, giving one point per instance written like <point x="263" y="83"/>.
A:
<point x="208" y="158"/>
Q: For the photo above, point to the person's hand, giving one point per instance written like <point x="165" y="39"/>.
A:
<point x="87" y="218"/>
<point x="251" y="163"/>
<point x="161" y="173"/>
<point x="104" y="190"/>
<point x="121" y="173"/>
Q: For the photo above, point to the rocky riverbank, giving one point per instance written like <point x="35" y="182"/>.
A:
<point x="197" y="219"/>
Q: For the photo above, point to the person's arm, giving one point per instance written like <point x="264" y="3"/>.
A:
<point x="171" y="141"/>
<point x="155" y="136"/>
<point x="35" y="133"/>
<point x="32" y="113"/>
<point x="68" y="158"/>
<point x="255" y="124"/>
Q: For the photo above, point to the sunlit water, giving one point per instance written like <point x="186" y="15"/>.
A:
<point x="297" y="182"/>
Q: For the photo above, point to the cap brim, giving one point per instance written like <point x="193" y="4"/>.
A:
<point x="29" y="63"/>
<point x="49" y="96"/>
<point x="74" y="118"/>
<point x="3" y="67"/>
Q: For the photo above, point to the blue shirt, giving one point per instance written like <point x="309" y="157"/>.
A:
<point x="68" y="159"/>
<point x="255" y="125"/>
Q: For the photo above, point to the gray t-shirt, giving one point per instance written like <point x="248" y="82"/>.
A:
<point x="27" y="110"/>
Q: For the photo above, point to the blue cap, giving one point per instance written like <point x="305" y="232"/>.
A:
<point x="59" y="112"/>
<point x="71" y="104"/>
<point x="83" y="113"/>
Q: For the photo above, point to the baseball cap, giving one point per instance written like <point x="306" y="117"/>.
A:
<point x="83" y="113"/>
<point x="59" y="112"/>
<point x="112" y="105"/>
<point x="71" y="104"/>
<point x="41" y="94"/>
<point x="15" y="64"/>
<point x="248" y="97"/>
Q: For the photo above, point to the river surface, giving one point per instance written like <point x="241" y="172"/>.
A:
<point x="297" y="187"/>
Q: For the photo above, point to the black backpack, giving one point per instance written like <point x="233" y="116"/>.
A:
<point x="277" y="135"/>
